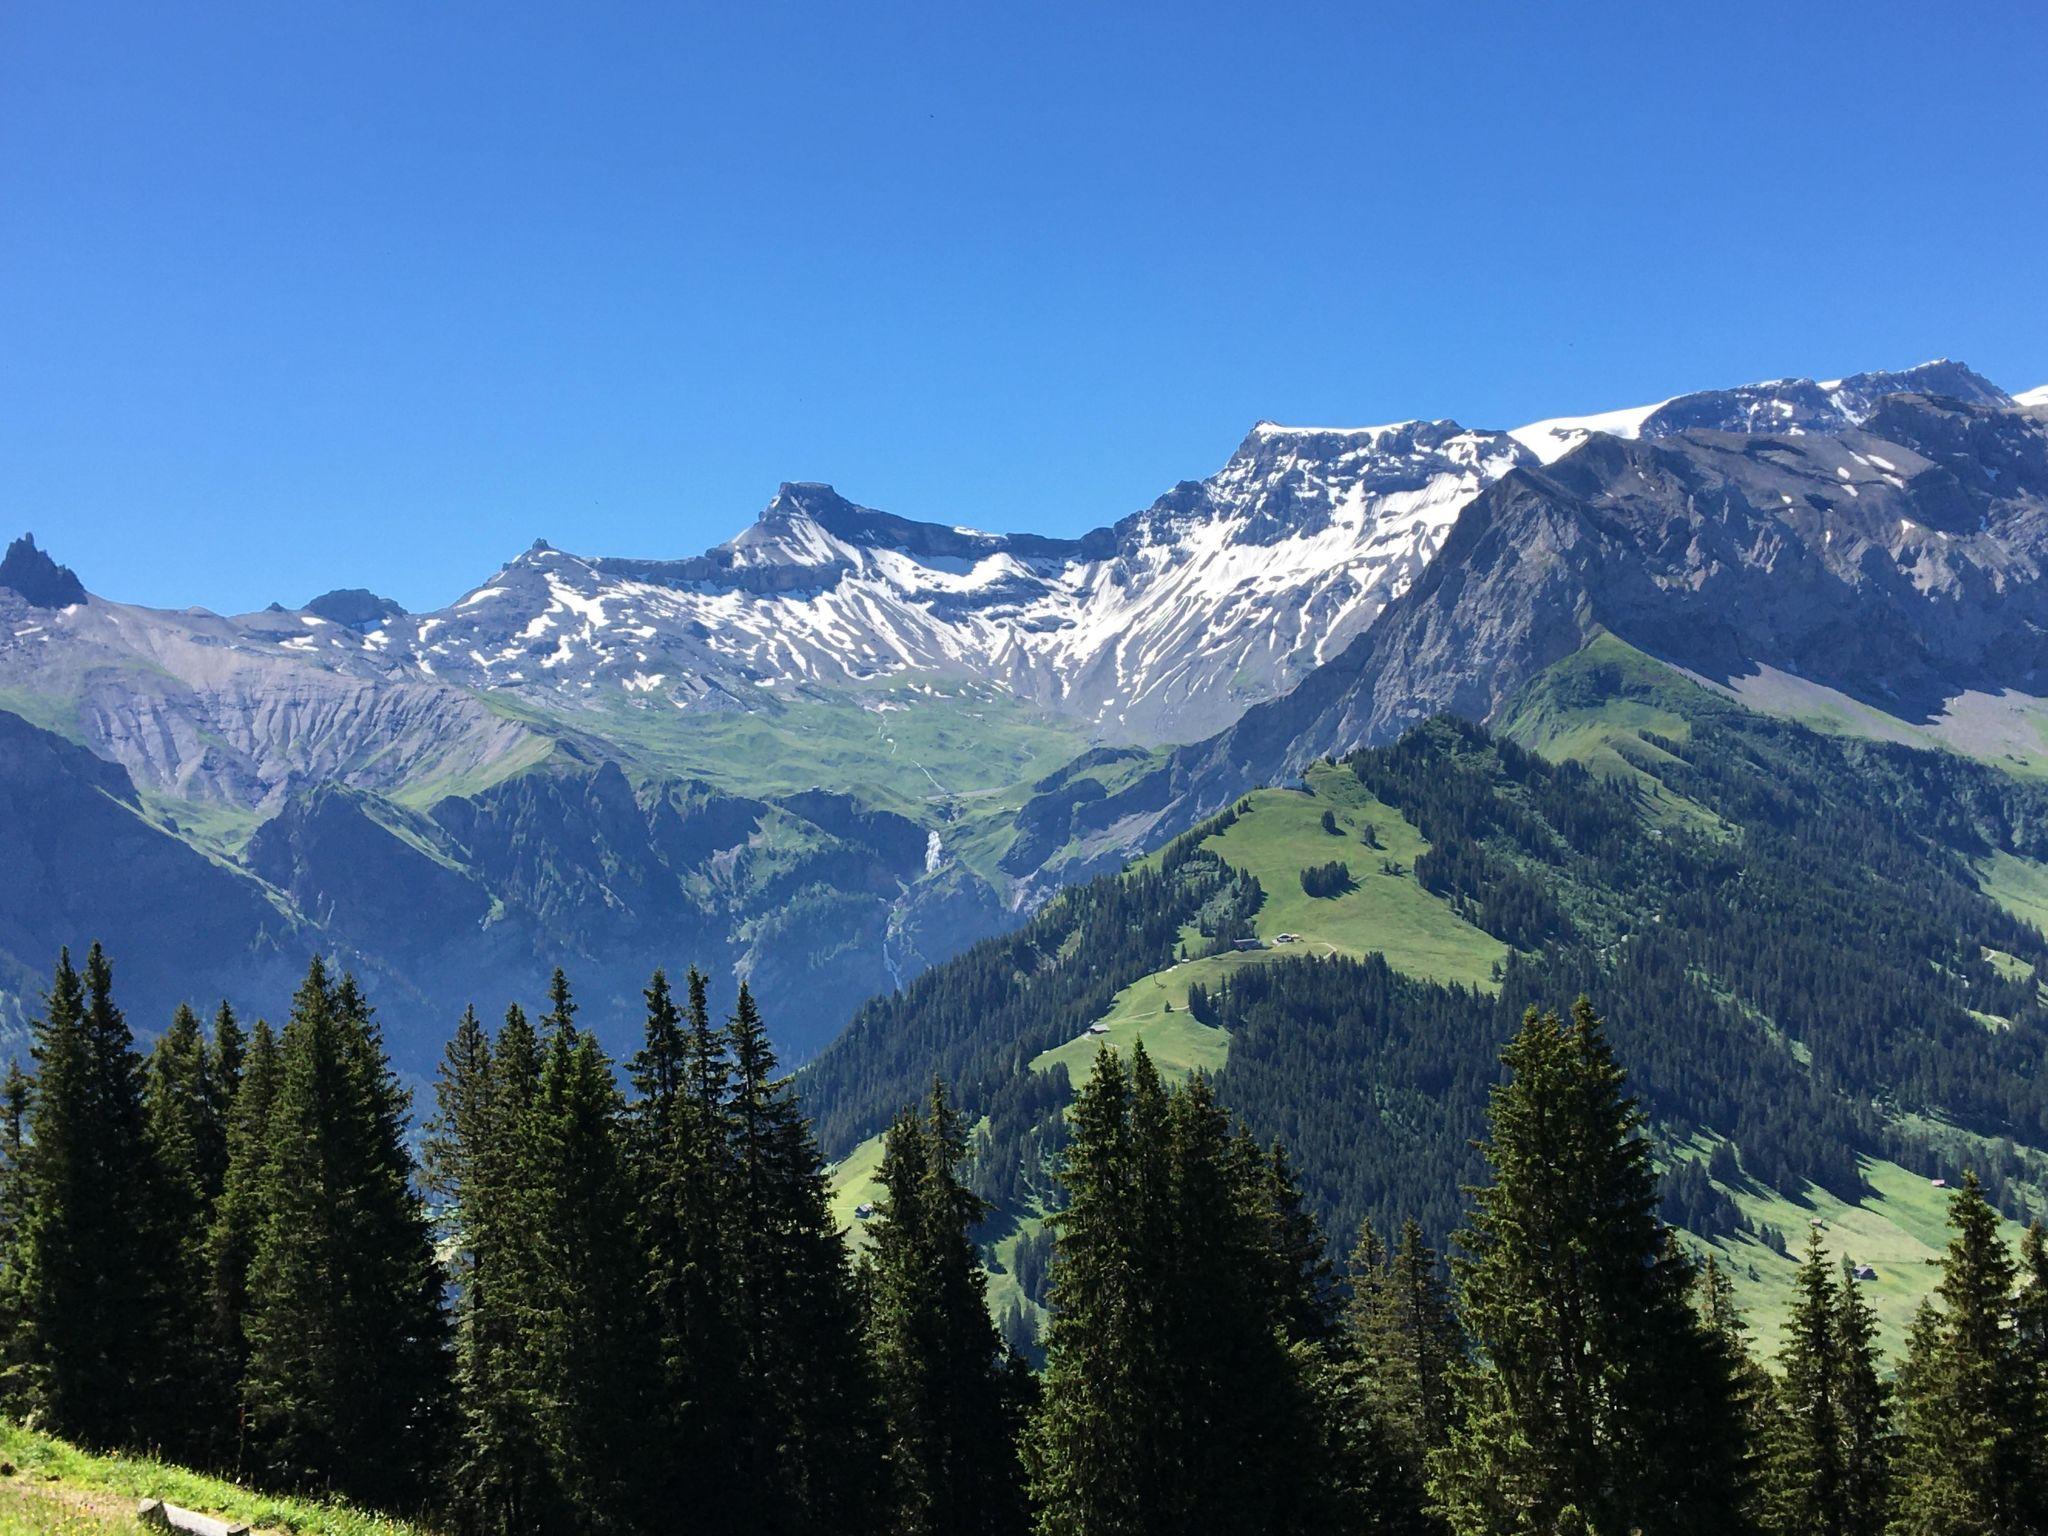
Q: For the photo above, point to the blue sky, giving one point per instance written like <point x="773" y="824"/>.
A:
<point x="336" y="294"/>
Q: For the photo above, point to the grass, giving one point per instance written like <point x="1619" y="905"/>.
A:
<point x="57" y="714"/>
<point x="50" y="1510"/>
<point x="956" y="758"/>
<point x="58" y="1487"/>
<point x="1154" y="1009"/>
<point x="1900" y="1228"/>
<point x="1595" y="707"/>
<point x="1003" y="1290"/>
<point x="1390" y="914"/>
<point x="2016" y="884"/>
<point x="854" y="1183"/>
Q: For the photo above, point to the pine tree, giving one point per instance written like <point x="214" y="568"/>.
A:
<point x="347" y="1364"/>
<point x="2030" y="1316"/>
<point x="682" y="1170"/>
<point x="1401" y="1354"/>
<point x="805" y="1396"/>
<point x="560" y="1019"/>
<point x="586" y="1302"/>
<point x="226" y="1059"/>
<point x="1755" y="1393"/>
<point x="498" y="1481"/>
<point x="1604" y="1401"/>
<point x="184" y="1117"/>
<point x="1171" y="1401"/>
<point x="1862" y="1413"/>
<point x="1806" y="1472"/>
<point x="92" y="1309"/>
<point x="1304" y="1280"/>
<point x="1245" y="1434"/>
<point x="231" y="1240"/>
<point x="16" y="1095"/>
<point x="945" y="1390"/>
<point x="1092" y="1468"/>
<point x="1965" y="1405"/>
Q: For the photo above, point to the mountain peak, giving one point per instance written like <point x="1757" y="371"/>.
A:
<point x="353" y="608"/>
<point x="37" y="578"/>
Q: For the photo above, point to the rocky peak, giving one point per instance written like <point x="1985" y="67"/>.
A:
<point x="354" y="608"/>
<point x="38" y="579"/>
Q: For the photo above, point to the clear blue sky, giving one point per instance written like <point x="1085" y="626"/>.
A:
<point x="330" y="294"/>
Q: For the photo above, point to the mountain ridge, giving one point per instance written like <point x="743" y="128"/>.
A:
<point x="1001" y="710"/>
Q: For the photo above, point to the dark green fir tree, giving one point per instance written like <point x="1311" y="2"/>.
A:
<point x="1604" y="1404"/>
<point x="805" y="1394"/>
<point x="92" y="1301"/>
<point x="347" y="1366"/>
<point x="947" y="1396"/>
<point x="1965" y="1404"/>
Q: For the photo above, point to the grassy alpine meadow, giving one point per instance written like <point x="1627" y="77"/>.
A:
<point x="55" y="1487"/>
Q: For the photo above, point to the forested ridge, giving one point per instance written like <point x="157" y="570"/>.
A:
<point x="616" y="1303"/>
<point x="1800" y="961"/>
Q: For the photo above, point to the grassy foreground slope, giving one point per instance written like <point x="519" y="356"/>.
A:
<point x="56" y="1487"/>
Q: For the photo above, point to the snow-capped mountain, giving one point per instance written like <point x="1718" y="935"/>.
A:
<point x="1787" y="407"/>
<point x="842" y="745"/>
<point x="1163" y="627"/>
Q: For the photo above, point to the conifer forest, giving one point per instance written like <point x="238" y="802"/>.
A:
<point x="572" y="1295"/>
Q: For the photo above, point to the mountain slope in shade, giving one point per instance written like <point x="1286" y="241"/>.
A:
<point x="476" y="901"/>
<point x="85" y="860"/>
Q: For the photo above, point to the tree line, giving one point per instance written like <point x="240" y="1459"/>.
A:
<point x="624" y="1306"/>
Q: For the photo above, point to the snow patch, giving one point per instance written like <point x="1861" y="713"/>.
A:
<point x="1551" y="440"/>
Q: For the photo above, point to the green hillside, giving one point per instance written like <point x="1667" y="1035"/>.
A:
<point x="1728" y="887"/>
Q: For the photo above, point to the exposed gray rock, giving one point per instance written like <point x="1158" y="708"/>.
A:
<point x="36" y="578"/>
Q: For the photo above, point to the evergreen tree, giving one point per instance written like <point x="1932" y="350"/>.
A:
<point x="226" y="1059"/>
<point x="184" y="1113"/>
<point x="1375" y="1479"/>
<point x="17" y="1091"/>
<point x="1304" y="1279"/>
<point x="236" y="1219"/>
<point x="1401" y="1357"/>
<point x="2030" y="1316"/>
<point x="1245" y="1436"/>
<point x="681" y="1150"/>
<point x="347" y="1363"/>
<point x="560" y="1019"/>
<point x="475" y="1162"/>
<point x="92" y="1308"/>
<point x="585" y="1301"/>
<point x="1171" y="1399"/>
<point x="946" y="1393"/>
<point x="1863" y="1414"/>
<point x="1965" y="1405"/>
<point x="1756" y="1399"/>
<point x="1605" y="1403"/>
<point x="1806" y="1474"/>
<point x="805" y="1395"/>
<point x="231" y="1239"/>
